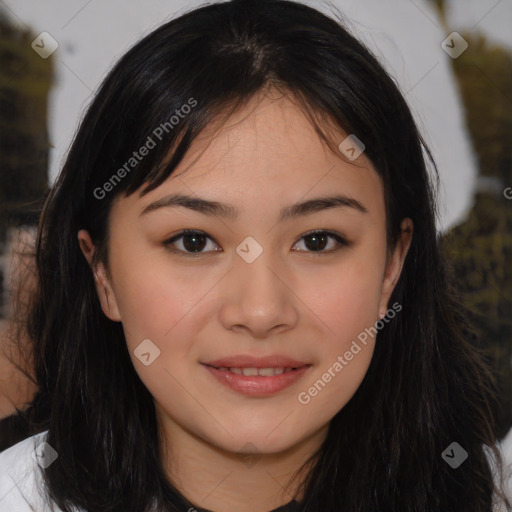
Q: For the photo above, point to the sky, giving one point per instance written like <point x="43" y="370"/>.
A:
<point x="406" y="36"/>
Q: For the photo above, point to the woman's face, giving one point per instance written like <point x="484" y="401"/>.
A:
<point x="251" y="289"/>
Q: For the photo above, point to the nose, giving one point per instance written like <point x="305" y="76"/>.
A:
<point x="258" y="299"/>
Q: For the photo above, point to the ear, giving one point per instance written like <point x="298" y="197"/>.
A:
<point x="394" y="264"/>
<point x="103" y="287"/>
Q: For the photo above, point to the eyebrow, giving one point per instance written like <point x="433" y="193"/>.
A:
<point x="215" y="208"/>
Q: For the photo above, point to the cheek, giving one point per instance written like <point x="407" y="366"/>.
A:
<point x="160" y="304"/>
<point x="348" y="300"/>
<point x="155" y="297"/>
<point x="348" y="305"/>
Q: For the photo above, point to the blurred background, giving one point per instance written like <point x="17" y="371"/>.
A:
<point x="452" y="60"/>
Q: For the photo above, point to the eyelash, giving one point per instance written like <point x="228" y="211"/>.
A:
<point x="342" y="242"/>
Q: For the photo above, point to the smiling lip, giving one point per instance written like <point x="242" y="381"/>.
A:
<point x="257" y="385"/>
<point x="256" y="362"/>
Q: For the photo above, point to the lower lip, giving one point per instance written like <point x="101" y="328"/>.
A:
<point x="257" y="385"/>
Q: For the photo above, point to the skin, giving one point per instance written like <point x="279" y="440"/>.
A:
<point x="290" y="301"/>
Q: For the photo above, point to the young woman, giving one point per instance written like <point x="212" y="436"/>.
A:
<point x="241" y="302"/>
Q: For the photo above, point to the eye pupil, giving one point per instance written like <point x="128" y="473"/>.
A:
<point x="194" y="246"/>
<point x="194" y="242"/>
<point x="319" y="241"/>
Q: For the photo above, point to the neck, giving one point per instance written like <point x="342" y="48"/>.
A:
<point x="219" y="480"/>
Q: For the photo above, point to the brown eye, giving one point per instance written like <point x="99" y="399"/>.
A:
<point x="317" y="241"/>
<point x="194" y="242"/>
<point x="191" y="242"/>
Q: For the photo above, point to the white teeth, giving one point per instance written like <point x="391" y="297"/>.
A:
<point x="252" y="372"/>
<point x="266" y="372"/>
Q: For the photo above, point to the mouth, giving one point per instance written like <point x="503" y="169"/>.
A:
<point x="257" y="377"/>
<point x="253" y="372"/>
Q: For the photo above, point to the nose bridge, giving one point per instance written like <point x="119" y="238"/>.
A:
<point x="254" y="256"/>
<point x="258" y="298"/>
<point x="258" y="279"/>
<point x="257" y="282"/>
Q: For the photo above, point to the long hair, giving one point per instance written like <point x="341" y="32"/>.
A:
<point x="427" y="385"/>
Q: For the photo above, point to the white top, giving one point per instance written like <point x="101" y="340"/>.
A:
<point x="21" y="478"/>
<point x="506" y="453"/>
<point x="21" y="484"/>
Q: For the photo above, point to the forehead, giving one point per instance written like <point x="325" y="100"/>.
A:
<point x="267" y="152"/>
<point x="271" y="136"/>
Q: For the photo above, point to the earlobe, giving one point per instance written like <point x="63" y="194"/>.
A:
<point x="106" y="294"/>
<point x="395" y="264"/>
<point x="103" y="287"/>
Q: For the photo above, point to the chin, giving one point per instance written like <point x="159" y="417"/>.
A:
<point x="258" y="442"/>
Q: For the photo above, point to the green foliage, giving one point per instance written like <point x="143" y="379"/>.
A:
<point x="25" y="80"/>
<point x="480" y="249"/>
<point x="484" y="73"/>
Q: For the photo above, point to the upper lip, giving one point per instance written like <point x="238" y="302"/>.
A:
<point x="242" y="361"/>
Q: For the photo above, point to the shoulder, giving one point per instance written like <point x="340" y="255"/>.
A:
<point x="21" y="478"/>
<point x="506" y="446"/>
<point x="503" y="480"/>
<point x="506" y="451"/>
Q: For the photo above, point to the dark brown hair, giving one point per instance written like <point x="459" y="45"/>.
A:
<point x="426" y="387"/>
